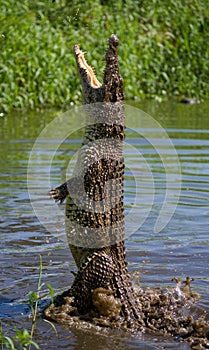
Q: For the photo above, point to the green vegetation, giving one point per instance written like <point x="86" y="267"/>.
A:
<point x="163" y="52"/>
<point x="24" y="339"/>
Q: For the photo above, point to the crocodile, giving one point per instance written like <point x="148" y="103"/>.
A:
<point x="103" y="292"/>
<point x="94" y="199"/>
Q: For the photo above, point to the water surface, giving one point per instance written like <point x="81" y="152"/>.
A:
<point x="180" y="249"/>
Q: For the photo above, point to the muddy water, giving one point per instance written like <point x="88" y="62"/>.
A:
<point x="180" y="249"/>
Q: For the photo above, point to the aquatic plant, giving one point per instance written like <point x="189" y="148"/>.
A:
<point x="24" y="338"/>
<point x="163" y="51"/>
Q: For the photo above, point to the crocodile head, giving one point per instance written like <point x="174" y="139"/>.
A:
<point x="111" y="90"/>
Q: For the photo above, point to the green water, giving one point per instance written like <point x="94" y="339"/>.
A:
<point x="180" y="249"/>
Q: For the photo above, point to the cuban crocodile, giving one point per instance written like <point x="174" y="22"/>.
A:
<point x="94" y="205"/>
<point x="103" y="289"/>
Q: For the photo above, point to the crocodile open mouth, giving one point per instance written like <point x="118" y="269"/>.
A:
<point x="90" y="75"/>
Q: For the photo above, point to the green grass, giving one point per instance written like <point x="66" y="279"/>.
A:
<point x="23" y="339"/>
<point x="163" y="49"/>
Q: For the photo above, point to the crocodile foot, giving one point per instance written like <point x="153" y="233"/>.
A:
<point x="59" y="193"/>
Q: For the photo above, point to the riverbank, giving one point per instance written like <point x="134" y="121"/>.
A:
<point x="163" y="50"/>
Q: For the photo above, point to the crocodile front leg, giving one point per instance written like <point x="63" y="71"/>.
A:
<point x="59" y="193"/>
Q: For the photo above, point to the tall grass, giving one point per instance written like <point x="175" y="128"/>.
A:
<point x="163" y="50"/>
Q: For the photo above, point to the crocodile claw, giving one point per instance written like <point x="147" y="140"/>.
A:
<point x="57" y="195"/>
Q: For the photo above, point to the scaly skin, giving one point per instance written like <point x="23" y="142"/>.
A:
<point x="94" y="208"/>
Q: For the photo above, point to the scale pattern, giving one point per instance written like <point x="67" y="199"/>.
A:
<point x="94" y="206"/>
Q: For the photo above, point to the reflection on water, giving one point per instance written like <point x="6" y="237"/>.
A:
<point x="180" y="249"/>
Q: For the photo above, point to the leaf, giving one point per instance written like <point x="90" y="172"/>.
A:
<point x="34" y="344"/>
<point x="52" y="325"/>
<point x="10" y="342"/>
<point x="51" y="291"/>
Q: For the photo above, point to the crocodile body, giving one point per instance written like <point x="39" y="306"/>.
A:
<point x="94" y="207"/>
<point x="102" y="291"/>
